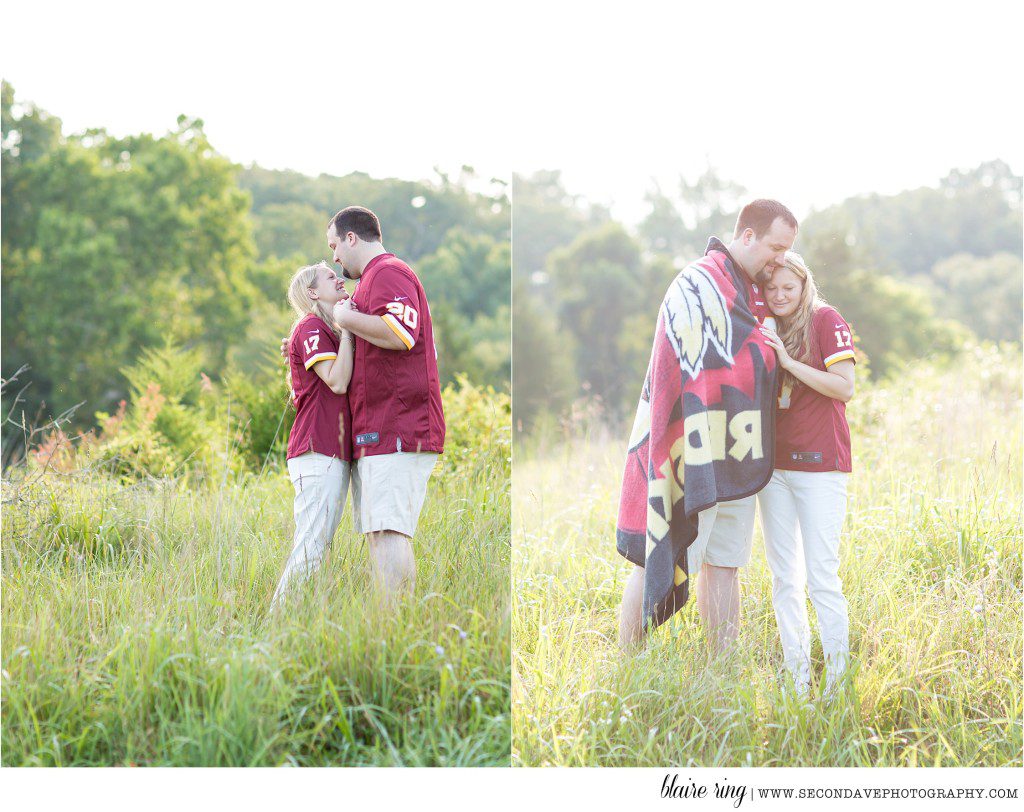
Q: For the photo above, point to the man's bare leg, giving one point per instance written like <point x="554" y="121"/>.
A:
<point x="393" y="564"/>
<point x="631" y="627"/>
<point x="718" y="602"/>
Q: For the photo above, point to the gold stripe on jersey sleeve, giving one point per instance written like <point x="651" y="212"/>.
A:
<point x="398" y="330"/>
<point x="320" y="356"/>
<point x="839" y="356"/>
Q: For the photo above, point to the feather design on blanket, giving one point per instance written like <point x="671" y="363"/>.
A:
<point x="705" y="418"/>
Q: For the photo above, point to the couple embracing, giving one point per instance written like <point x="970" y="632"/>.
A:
<point x="365" y="386"/>
<point x="743" y="402"/>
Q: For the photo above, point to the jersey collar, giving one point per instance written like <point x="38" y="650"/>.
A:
<point x="373" y="263"/>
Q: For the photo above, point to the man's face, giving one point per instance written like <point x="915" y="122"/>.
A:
<point x="343" y="249"/>
<point x="764" y="254"/>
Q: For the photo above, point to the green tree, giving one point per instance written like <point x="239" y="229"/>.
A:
<point x="113" y="245"/>
<point x="608" y="298"/>
<point x="976" y="212"/>
<point x="547" y="217"/>
<point x="415" y="215"/>
<point x="895" y="322"/>
<point x="470" y="272"/>
<point x="679" y="227"/>
<point x="983" y="293"/>
<point x="467" y="283"/>
<point x="543" y="376"/>
<point x="293" y="230"/>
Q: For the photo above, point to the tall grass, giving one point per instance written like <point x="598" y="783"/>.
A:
<point x="931" y="566"/>
<point x="136" y="630"/>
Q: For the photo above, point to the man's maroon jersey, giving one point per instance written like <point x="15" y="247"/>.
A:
<point x="395" y="394"/>
<point x="811" y="433"/>
<point x="322" y="419"/>
<point x="757" y="305"/>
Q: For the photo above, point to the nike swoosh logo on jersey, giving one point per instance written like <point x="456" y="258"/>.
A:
<point x="399" y="298"/>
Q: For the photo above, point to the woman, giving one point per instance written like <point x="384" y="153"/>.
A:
<point x="804" y="504"/>
<point x="319" y="446"/>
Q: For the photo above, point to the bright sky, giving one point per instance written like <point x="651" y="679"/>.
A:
<point x="809" y="103"/>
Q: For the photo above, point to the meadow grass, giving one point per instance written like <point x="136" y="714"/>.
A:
<point x="136" y="630"/>
<point x="931" y="566"/>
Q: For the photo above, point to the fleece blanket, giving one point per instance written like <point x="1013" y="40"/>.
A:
<point x="704" y="428"/>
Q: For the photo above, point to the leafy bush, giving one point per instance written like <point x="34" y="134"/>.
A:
<point x="136" y="454"/>
<point x="261" y="409"/>
<point x="179" y="422"/>
<point x="479" y="429"/>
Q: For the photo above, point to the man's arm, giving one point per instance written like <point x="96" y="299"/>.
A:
<point x="388" y="314"/>
<point x="371" y="328"/>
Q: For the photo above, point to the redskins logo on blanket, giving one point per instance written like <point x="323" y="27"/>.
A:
<point x="697" y="317"/>
<point x="704" y="420"/>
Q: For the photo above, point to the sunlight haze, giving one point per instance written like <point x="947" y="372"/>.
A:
<point x="802" y="102"/>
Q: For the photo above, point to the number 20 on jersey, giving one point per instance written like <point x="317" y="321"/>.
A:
<point x="405" y="312"/>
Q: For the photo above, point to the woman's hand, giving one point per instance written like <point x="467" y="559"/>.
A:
<point x="342" y="309"/>
<point x="772" y="340"/>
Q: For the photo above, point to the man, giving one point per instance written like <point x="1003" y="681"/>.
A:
<point x="720" y="313"/>
<point x="398" y="424"/>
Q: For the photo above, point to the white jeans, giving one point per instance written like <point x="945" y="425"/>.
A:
<point x="320" y="483"/>
<point x="802" y="515"/>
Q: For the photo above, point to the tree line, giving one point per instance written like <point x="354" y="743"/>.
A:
<point x="916" y="273"/>
<point x="112" y="246"/>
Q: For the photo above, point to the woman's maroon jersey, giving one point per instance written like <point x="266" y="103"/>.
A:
<point x="811" y="432"/>
<point x="322" y="421"/>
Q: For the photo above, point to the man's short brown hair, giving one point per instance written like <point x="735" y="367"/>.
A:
<point x="360" y="221"/>
<point x="760" y="214"/>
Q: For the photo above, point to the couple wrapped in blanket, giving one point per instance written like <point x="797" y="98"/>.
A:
<point x="744" y="400"/>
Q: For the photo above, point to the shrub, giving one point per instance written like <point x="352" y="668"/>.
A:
<point x="479" y="429"/>
<point x="180" y="422"/>
<point x="261" y="410"/>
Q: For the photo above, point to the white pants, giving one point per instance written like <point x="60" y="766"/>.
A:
<point x="320" y="483"/>
<point x="802" y="515"/>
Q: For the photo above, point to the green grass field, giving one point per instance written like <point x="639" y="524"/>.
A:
<point x="931" y="566"/>
<point x="136" y="632"/>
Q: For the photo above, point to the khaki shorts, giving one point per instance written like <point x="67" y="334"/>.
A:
<point x="388" y="491"/>
<point x="725" y="535"/>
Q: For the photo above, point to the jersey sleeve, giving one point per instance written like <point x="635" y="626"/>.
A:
<point x="313" y="342"/>
<point x="396" y="299"/>
<point x="834" y="336"/>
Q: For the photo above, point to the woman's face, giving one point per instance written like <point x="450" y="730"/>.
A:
<point x="328" y="288"/>
<point x="782" y="293"/>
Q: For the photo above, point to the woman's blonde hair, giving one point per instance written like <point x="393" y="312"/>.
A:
<point x="303" y="281"/>
<point x="795" y="330"/>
